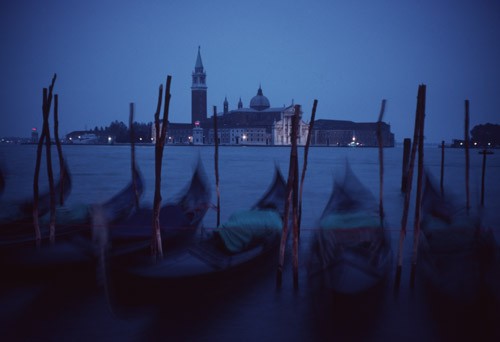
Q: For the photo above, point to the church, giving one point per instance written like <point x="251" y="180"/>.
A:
<point x="261" y="124"/>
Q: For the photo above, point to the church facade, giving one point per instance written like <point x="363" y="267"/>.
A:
<point x="260" y="124"/>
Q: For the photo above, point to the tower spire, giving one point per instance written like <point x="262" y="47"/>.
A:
<point x="199" y="91"/>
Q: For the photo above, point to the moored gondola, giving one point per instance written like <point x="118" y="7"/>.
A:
<point x="456" y="252"/>
<point x="74" y="234"/>
<point x="350" y="251"/>
<point x="238" y="245"/>
<point x="179" y="218"/>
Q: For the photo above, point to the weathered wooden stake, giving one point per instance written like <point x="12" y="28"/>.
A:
<point x="216" y="164"/>
<point x="441" y="183"/>
<point x="404" y="219"/>
<point x="46" y="103"/>
<point x="50" y="173"/>
<point x="406" y="158"/>
<point x="467" y="163"/>
<point x="62" y="172"/>
<point x="381" y="160"/>
<point x="484" y="153"/>
<point x="132" y="153"/>
<point x="291" y="175"/>
<point x="418" y="200"/>
<point x="306" y="154"/>
<point x="156" y="247"/>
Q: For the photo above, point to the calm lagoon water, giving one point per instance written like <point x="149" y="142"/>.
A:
<point x="255" y="311"/>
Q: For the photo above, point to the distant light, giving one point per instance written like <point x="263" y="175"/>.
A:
<point x="79" y="137"/>
<point x="461" y="143"/>
<point x="475" y="143"/>
<point x="140" y="139"/>
<point x="489" y="144"/>
<point x="353" y="138"/>
<point x="33" y="129"/>
<point x="109" y="139"/>
<point x="70" y="138"/>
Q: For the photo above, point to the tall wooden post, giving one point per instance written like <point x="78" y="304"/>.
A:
<point x="46" y="103"/>
<point x="418" y="200"/>
<point x="216" y="164"/>
<point x="404" y="219"/>
<point x="306" y="154"/>
<point x="467" y="165"/>
<point x="406" y="159"/>
<point x="291" y="175"/>
<point x="441" y="183"/>
<point x="132" y="153"/>
<point x="381" y="160"/>
<point x="62" y="174"/>
<point x="156" y="246"/>
<point x="483" y="173"/>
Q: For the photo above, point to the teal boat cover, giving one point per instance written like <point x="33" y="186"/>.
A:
<point x="247" y="227"/>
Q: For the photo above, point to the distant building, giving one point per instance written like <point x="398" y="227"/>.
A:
<point x="349" y="133"/>
<point x="261" y="124"/>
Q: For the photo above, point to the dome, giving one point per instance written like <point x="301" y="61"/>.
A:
<point x="259" y="101"/>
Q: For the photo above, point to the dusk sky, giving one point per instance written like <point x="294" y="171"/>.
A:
<point x="347" y="54"/>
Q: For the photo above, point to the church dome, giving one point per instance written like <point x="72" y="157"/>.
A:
<point x="259" y="101"/>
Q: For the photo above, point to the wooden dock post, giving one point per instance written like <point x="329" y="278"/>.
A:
<point x="62" y="174"/>
<point x="406" y="158"/>
<point x="484" y="153"/>
<point x="216" y="164"/>
<point x="381" y="160"/>
<point x="404" y="219"/>
<point x="156" y="244"/>
<point x="46" y="103"/>
<point x="418" y="199"/>
<point x="441" y="183"/>
<point x="306" y="154"/>
<point x="467" y="161"/>
<point x="292" y="170"/>
<point x="132" y="153"/>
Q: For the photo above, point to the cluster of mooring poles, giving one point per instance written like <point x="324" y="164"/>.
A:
<point x="292" y="198"/>
<point x="45" y="138"/>
<point x="407" y="177"/>
<point x="407" y="180"/>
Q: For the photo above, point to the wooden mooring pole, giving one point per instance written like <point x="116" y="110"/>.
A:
<point x="306" y="154"/>
<point x="46" y="103"/>
<point x="132" y="153"/>
<point x="156" y="244"/>
<point x="467" y="161"/>
<point x="406" y="159"/>
<point x="292" y="170"/>
<point x="381" y="160"/>
<point x="484" y="153"/>
<point x="404" y="219"/>
<point x="216" y="165"/>
<point x="62" y="174"/>
<point x="441" y="183"/>
<point x="418" y="199"/>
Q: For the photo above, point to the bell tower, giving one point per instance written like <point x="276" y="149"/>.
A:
<point x="199" y="92"/>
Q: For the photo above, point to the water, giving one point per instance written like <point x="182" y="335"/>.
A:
<point x="255" y="311"/>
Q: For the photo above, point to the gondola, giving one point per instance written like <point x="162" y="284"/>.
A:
<point x="456" y="253"/>
<point x="75" y="234"/>
<point x="16" y="217"/>
<point x="350" y="252"/>
<point x="179" y="220"/>
<point x="239" y="244"/>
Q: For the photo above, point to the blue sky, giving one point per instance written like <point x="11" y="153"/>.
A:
<point x="347" y="54"/>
